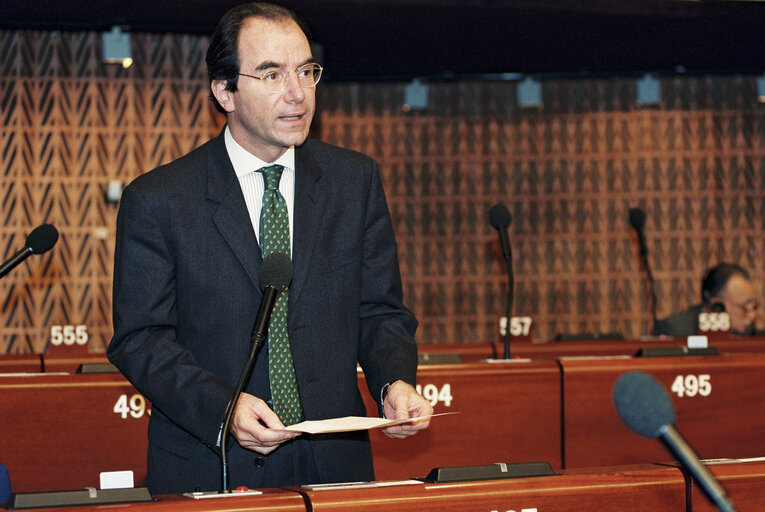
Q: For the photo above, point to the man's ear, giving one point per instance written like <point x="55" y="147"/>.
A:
<point x="224" y="96"/>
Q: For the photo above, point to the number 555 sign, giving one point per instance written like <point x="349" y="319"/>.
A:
<point x="68" y="335"/>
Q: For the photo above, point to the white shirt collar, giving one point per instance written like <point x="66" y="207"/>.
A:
<point x="245" y="162"/>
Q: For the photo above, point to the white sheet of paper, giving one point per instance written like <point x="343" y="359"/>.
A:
<point x="349" y="423"/>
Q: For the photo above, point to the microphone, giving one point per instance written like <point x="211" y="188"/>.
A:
<point x="637" y="221"/>
<point x="40" y="240"/>
<point x="500" y="219"/>
<point x="645" y="407"/>
<point x="274" y="277"/>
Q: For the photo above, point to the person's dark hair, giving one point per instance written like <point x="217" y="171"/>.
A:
<point x="717" y="277"/>
<point x="223" y="55"/>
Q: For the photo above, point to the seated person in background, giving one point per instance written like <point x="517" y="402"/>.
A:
<point x="725" y="287"/>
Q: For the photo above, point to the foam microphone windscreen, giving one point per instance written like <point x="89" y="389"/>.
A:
<point x="637" y="218"/>
<point x="499" y="216"/>
<point x="276" y="271"/>
<point x="643" y="404"/>
<point x="42" y="238"/>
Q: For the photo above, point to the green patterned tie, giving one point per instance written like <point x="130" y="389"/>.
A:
<point x="275" y="237"/>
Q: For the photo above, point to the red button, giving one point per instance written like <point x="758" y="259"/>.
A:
<point x="242" y="488"/>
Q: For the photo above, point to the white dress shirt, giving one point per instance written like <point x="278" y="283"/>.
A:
<point x="246" y="166"/>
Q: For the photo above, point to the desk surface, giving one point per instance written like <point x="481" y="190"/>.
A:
<point x="654" y="488"/>
<point x="271" y="500"/>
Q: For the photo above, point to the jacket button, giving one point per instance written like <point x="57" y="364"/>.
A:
<point x="260" y="461"/>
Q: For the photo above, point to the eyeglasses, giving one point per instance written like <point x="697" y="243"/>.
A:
<point x="746" y="307"/>
<point x="275" y="79"/>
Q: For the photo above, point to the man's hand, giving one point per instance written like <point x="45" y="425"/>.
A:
<point x="247" y="428"/>
<point x="402" y="402"/>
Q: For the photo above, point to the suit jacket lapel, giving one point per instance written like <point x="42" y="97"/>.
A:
<point x="310" y="199"/>
<point x="231" y="217"/>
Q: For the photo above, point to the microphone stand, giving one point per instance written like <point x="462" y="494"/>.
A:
<point x="259" y="335"/>
<point x="649" y="274"/>
<point x="509" y="310"/>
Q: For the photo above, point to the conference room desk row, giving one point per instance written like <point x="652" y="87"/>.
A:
<point x="657" y="488"/>
<point x="60" y="430"/>
<point x="724" y="344"/>
<point x="434" y="353"/>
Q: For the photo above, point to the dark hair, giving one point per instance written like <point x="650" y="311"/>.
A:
<point x="223" y="52"/>
<point x="717" y="277"/>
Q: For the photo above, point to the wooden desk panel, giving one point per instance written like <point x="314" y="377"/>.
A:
<point x="57" y="363"/>
<point x="652" y="488"/>
<point x="59" y="431"/>
<point x="272" y="500"/>
<point x="508" y="412"/>
<point x="727" y="423"/>
<point x="744" y="481"/>
<point x="556" y="349"/>
<point x="83" y="436"/>
<point x="20" y="363"/>
<point x="468" y="352"/>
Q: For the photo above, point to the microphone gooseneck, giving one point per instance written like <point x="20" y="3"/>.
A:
<point x="274" y="277"/>
<point x="644" y="406"/>
<point x="500" y="219"/>
<point x="637" y="221"/>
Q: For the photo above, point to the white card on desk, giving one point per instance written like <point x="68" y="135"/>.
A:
<point x="116" y="479"/>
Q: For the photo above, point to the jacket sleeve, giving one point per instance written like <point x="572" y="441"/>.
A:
<point x="145" y="347"/>
<point x="387" y="351"/>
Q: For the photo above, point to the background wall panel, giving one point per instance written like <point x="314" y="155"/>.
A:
<point x="568" y="171"/>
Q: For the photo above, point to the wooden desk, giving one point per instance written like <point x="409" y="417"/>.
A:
<point x="556" y="349"/>
<point x="71" y="428"/>
<point x="20" y="363"/>
<point x="744" y="482"/>
<point x="508" y="412"/>
<point x="58" y="363"/>
<point x="59" y="431"/>
<point x="272" y="500"/>
<point x="654" y="488"/>
<point x="468" y="352"/>
<point x="726" y="423"/>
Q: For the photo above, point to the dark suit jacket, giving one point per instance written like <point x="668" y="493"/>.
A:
<point x="680" y="325"/>
<point x="186" y="295"/>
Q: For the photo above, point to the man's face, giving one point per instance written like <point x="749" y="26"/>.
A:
<point x="265" y="123"/>
<point x="740" y="302"/>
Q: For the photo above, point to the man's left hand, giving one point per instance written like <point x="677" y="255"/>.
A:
<point x="403" y="402"/>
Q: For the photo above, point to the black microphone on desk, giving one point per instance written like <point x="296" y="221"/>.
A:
<point x="274" y="277"/>
<point x="500" y="219"/>
<point x="40" y="240"/>
<point x="645" y="407"/>
<point x="637" y="221"/>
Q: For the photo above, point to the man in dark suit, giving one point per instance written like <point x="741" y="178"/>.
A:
<point x="186" y="280"/>
<point x="724" y="287"/>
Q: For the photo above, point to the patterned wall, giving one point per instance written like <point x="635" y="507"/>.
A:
<point x="568" y="172"/>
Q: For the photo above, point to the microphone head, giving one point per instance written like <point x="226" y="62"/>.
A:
<point x="276" y="271"/>
<point x="643" y="404"/>
<point x="499" y="216"/>
<point x="637" y="218"/>
<point x="42" y="238"/>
